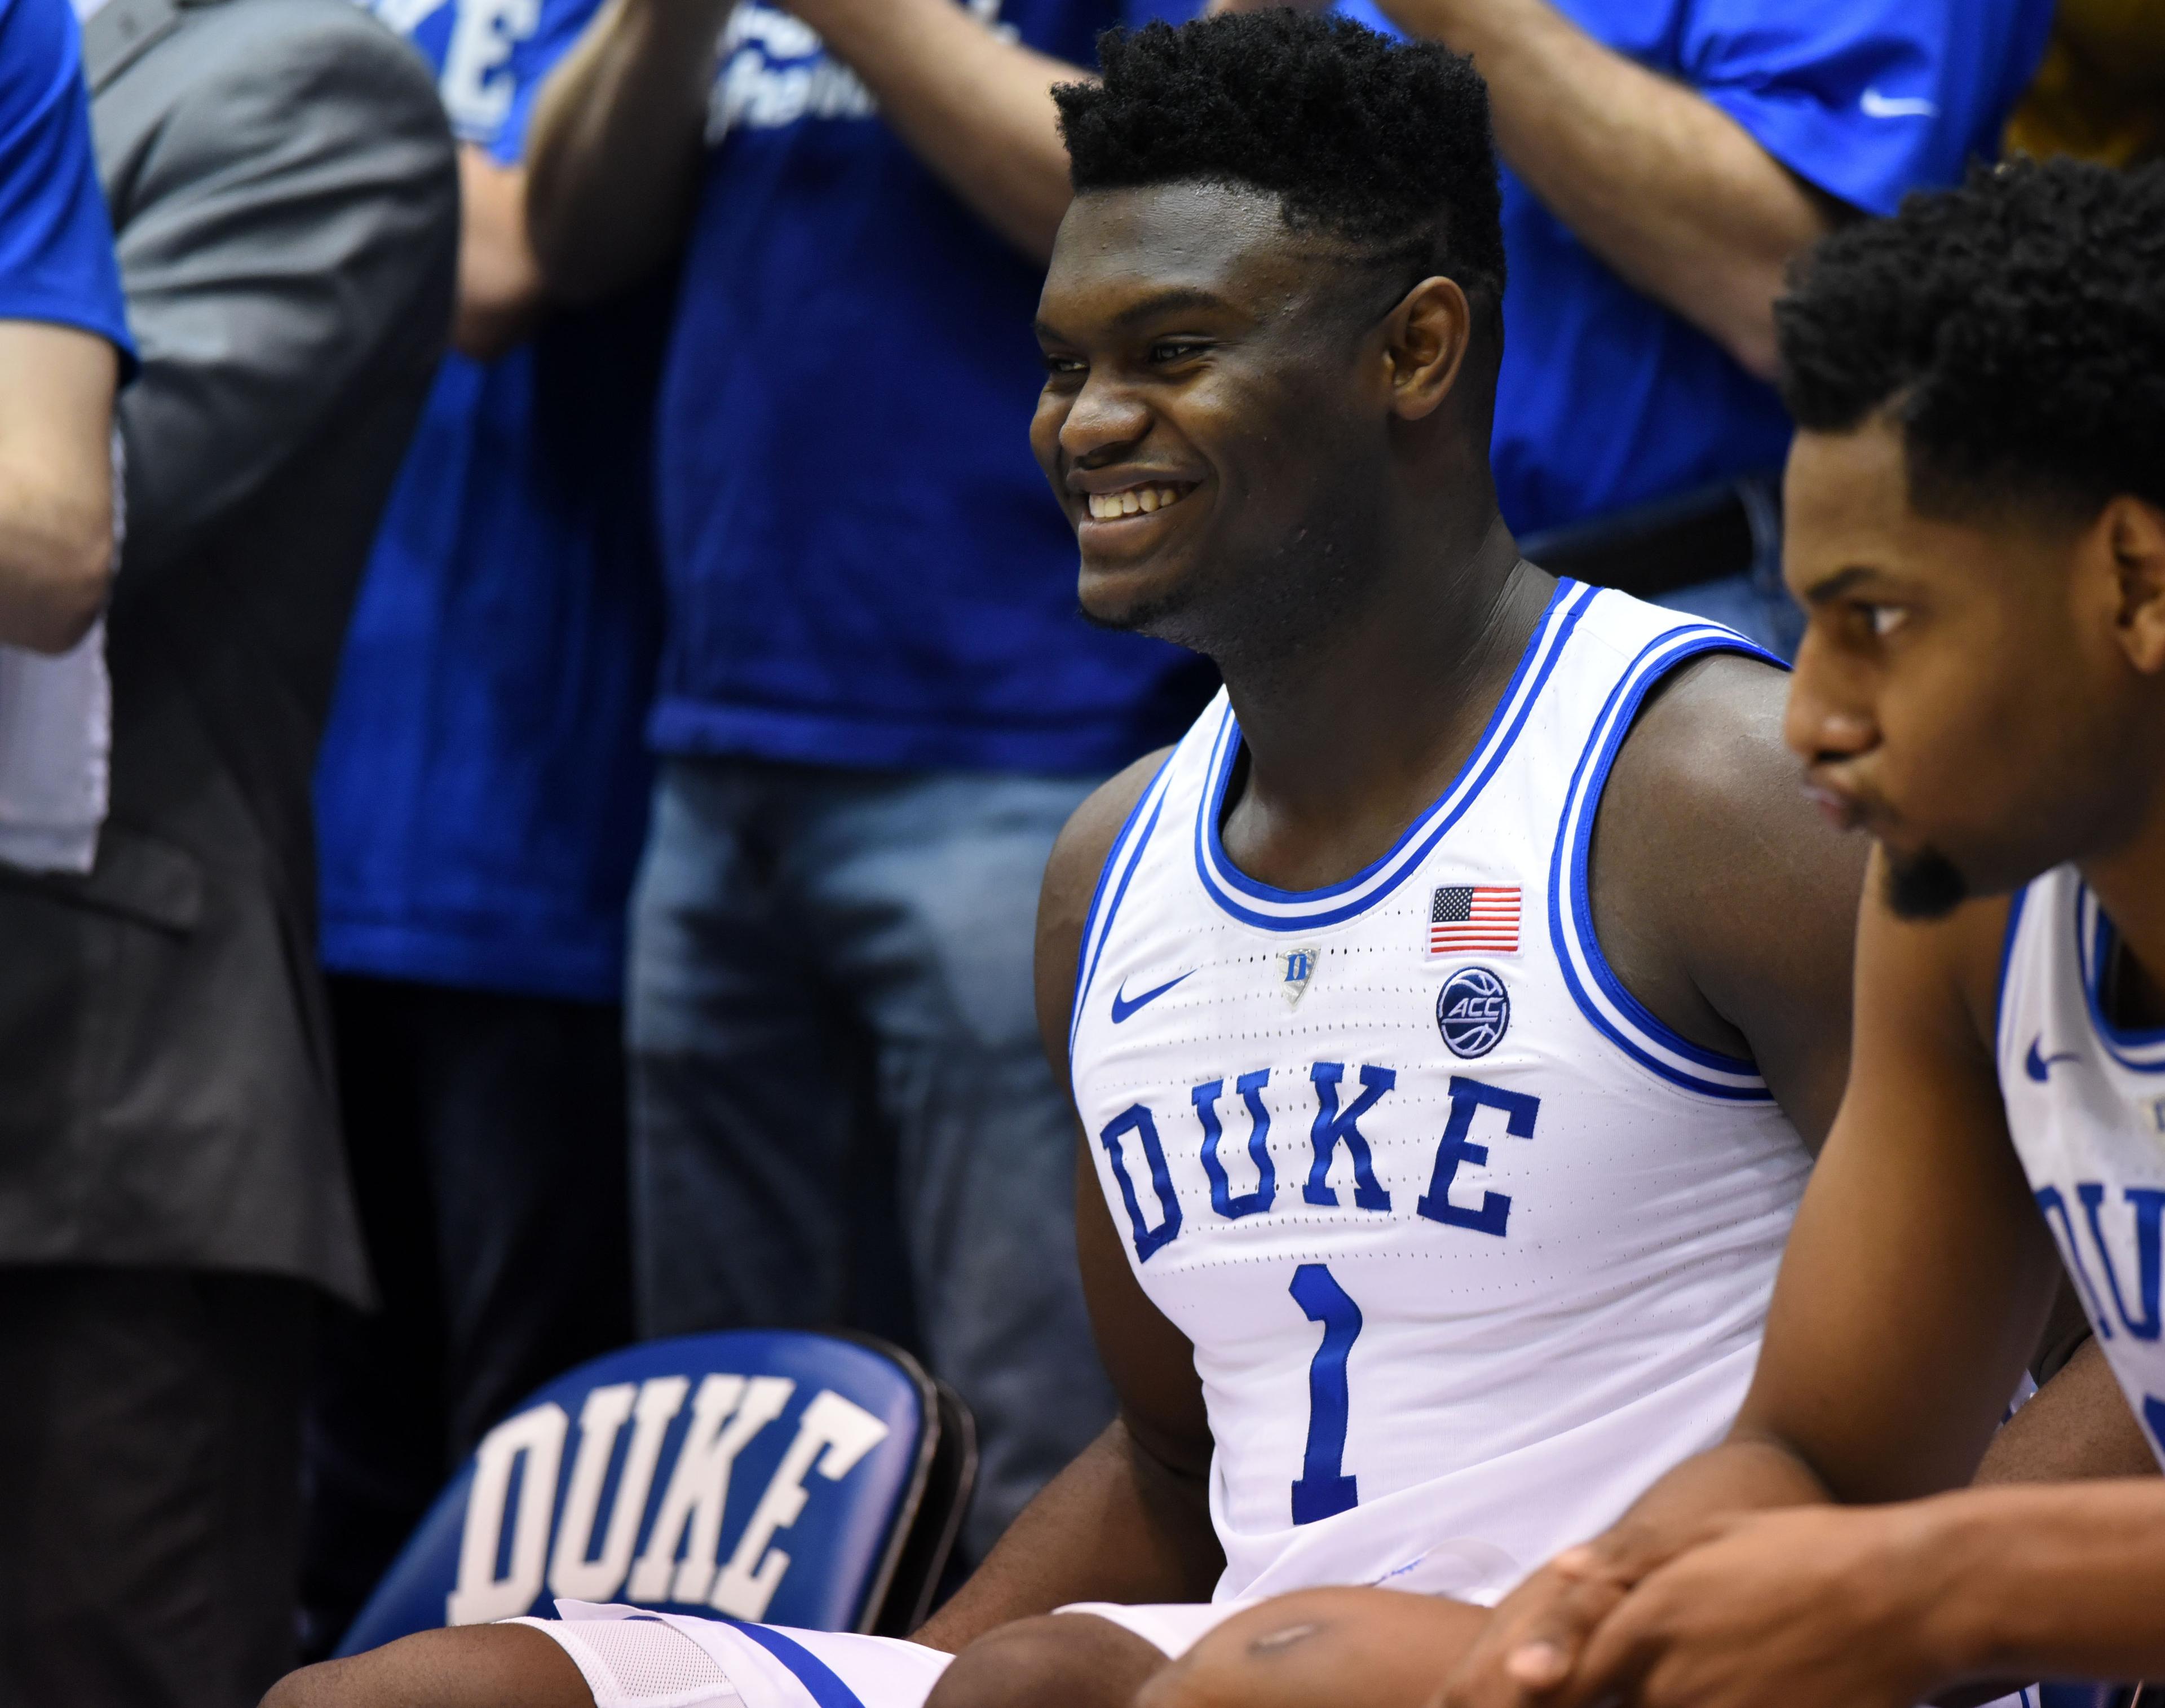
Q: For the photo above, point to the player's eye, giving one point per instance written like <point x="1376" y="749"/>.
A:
<point x="1168" y="350"/>
<point x="1885" y="619"/>
<point x="1059" y="364"/>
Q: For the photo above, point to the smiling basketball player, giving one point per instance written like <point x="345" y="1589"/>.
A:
<point x="1442" y="1014"/>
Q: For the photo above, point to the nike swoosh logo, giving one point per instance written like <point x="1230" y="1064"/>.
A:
<point x="1875" y="105"/>
<point x="2038" y="1067"/>
<point x="1122" y="1008"/>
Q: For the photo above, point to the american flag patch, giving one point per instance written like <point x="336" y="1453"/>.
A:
<point x="1468" y="917"/>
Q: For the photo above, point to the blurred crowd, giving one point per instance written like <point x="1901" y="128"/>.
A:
<point x="539" y="679"/>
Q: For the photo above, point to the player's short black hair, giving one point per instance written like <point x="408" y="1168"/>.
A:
<point x="2014" y="328"/>
<point x="1385" y="144"/>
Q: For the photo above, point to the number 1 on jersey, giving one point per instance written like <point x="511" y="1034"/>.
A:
<point x="1323" y="1487"/>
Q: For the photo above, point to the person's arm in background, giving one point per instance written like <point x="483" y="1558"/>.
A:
<point x="1673" y="192"/>
<point x="265" y="299"/>
<point x="55" y="483"/>
<point x="620" y="135"/>
<point x="63" y="328"/>
<point x="501" y="296"/>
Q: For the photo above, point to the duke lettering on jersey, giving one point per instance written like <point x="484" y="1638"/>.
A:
<point x="1332" y="1129"/>
<point x="2082" y="1097"/>
<point x="1469" y="1246"/>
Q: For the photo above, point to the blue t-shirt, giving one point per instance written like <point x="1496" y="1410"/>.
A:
<point x="57" y="261"/>
<point x="1606" y="398"/>
<point x="864" y="565"/>
<point x="482" y="792"/>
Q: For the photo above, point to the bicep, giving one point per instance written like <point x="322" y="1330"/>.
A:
<point x="1918" y="1274"/>
<point x="1729" y="903"/>
<point x="1150" y="1362"/>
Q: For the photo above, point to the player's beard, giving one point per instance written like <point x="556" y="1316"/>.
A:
<point x="1925" y="885"/>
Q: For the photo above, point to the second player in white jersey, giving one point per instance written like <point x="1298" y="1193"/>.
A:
<point x="1470" y="1246"/>
<point x="2085" y="1104"/>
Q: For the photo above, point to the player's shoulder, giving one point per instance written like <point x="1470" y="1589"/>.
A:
<point x="1072" y="872"/>
<point x="1086" y="842"/>
<point x="1704" y="762"/>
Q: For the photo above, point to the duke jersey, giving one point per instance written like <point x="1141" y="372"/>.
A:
<point x="2085" y="1103"/>
<point x="1470" y="1246"/>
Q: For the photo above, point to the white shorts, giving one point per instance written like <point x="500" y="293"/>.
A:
<point x="632" y="1659"/>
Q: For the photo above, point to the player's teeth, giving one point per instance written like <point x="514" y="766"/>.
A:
<point x="1137" y="501"/>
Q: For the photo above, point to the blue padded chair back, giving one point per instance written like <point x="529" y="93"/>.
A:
<point x="772" y="1475"/>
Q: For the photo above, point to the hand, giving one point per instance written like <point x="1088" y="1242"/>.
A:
<point x="1535" y="1638"/>
<point x="1800" y="1608"/>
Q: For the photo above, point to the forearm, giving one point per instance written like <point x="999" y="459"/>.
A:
<point x="2045" y="1582"/>
<point x="1673" y="193"/>
<point x="976" y="108"/>
<point x="55" y="484"/>
<point x="500" y="292"/>
<point x="1748" y="1473"/>
<point x="1117" y="1525"/>
<point x="618" y="142"/>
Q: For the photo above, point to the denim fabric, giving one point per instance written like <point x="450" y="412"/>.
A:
<point x="1756" y="603"/>
<point x="819" y="953"/>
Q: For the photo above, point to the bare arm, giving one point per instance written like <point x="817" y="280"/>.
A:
<point x="55" y="482"/>
<point x="977" y="108"/>
<point x="1674" y="194"/>
<point x="500" y="295"/>
<point x="2076" y="1426"/>
<point x="1723" y="900"/>
<point x="1130" y="1520"/>
<point x="617" y="143"/>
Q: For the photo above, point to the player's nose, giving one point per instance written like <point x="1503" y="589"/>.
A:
<point x="1105" y="418"/>
<point x="1825" y="718"/>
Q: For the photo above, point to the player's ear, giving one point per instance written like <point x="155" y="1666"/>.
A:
<point x="1426" y="343"/>
<point x="2136" y="530"/>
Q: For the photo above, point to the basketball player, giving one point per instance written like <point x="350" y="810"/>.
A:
<point x="1977" y="526"/>
<point x="1432" y="1011"/>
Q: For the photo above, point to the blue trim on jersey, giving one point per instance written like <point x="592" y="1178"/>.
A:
<point x="2006" y="959"/>
<point x="816" y="1676"/>
<point x="1655" y="664"/>
<point x="2093" y="944"/>
<point x="1159" y="788"/>
<point x="1544" y="647"/>
<point x="1104" y="876"/>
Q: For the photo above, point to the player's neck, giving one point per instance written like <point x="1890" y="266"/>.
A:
<point x="2130" y="885"/>
<point x="1349" y="740"/>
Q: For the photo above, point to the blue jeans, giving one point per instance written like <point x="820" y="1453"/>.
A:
<point x="1755" y="602"/>
<point x="805" y="942"/>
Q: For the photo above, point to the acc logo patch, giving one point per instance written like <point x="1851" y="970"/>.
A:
<point x="1472" y="1011"/>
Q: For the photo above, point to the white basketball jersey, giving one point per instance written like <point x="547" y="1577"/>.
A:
<point x="2086" y="1105"/>
<point x="1471" y="1247"/>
